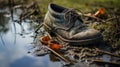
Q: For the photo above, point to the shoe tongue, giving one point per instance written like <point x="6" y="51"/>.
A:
<point x="59" y="15"/>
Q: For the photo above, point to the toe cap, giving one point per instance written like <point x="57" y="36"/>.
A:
<point x="86" y="34"/>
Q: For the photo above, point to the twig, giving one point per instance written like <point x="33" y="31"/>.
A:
<point x="110" y="19"/>
<point x="38" y="28"/>
<point x="107" y="53"/>
<point x="59" y="55"/>
<point x="106" y="62"/>
<point x="92" y="17"/>
<point x="23" y="16"/>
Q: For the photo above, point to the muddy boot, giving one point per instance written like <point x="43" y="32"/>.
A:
<point x="65" y="25"/>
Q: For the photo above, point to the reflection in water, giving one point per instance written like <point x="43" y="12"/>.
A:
<point x="16" y="55"/>
<point x="3" y="26"/>
<point x="3" y="23"/>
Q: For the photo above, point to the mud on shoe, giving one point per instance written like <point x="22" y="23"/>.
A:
<point x="65" y="25"/>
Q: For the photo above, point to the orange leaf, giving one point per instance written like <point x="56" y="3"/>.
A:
<point x="54" y="45"/>
<point x="45" y="40"/>
<point x="101" y="11"/>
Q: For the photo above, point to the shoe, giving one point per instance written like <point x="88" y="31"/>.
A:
<point x="65" y="25"/>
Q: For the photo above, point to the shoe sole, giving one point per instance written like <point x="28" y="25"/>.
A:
<point x="81" y="42"/>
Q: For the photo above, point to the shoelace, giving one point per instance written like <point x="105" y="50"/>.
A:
<point x="71" y="16"/>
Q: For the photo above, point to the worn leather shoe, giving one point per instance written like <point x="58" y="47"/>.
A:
<point x="65" y="25"/>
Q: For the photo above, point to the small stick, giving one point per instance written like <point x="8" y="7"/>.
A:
<point x="59" y="55"/>
<point x="106" y="62"/>
<point x="38" y="28"/>
<point x="110" y="19"/>
<point x="23" y="16"/>
<point x="92" y="17"/>
<point x="108" y="53"/>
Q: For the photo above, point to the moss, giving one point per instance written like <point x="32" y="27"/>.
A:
<point x="108" y="31"/>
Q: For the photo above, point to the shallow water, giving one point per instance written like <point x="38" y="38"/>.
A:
<point x="15" y="43"/>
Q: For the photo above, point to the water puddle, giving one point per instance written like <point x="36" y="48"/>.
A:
<point x="16" y="41"/>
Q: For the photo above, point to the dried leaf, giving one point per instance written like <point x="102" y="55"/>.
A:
<point x="49" y="42"/>
<point x="54" y="45"/>
<point x="101" y="11"/>
<point x="45" y="40"/>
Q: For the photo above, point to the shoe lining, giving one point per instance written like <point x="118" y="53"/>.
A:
<point x="57" y="8"/>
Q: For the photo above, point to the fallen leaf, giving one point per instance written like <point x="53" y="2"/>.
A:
<point x="51" y="43"/>
<point x="100" y="11"/>
<point x="45" y="40"/>
<point x="54" y="45"/>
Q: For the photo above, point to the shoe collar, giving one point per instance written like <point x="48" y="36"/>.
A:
<point x="56" y="10"/>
